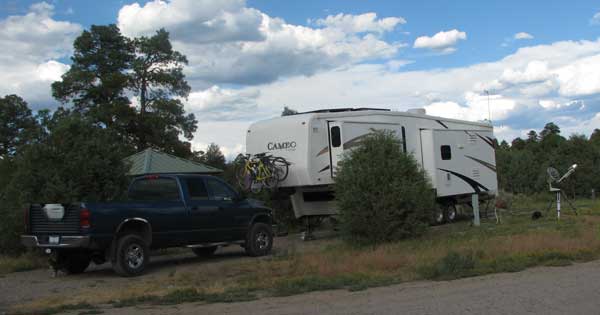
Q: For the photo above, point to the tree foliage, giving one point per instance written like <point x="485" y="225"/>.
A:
<point x="288" y="111"/>
<point x="108" y="68"/>
<point x="381" y="192"/>
<point x="17" y="125"/>
<point x="212" y="157"/>
<point x="522" y="166"/>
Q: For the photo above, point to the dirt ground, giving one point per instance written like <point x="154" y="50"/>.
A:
<point x="23" y="287"/>
<point x="545" y="290"/>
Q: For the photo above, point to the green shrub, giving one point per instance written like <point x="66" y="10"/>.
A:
<point x="382" y="194"/>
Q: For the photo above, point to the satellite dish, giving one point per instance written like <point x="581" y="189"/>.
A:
<point x="553" y="174"/>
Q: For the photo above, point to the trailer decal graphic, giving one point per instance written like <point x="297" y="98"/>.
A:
<point x="325" y="168"/>
<point x="484" y="163"/>
<point x="353" y="142"/>
<point x="468" y="180"/>
<point x="323" y="151"/>
<point x="441" y="123"/>
<point x="487" y="140"/>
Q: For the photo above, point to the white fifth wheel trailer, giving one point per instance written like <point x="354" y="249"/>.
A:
<point x="458" y="155"/>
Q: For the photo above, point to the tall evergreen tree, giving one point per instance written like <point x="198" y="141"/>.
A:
<point x="17" y="125"/>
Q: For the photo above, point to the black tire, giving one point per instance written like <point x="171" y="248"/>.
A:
<point x="244" y="178"/>
<point x="259" y="240"/>
<point x="438" y="215"/>
<point x="450" y="213"/>
<point x="283" y="168"/>
<point x="204" y="251"/>
<point x="131" y="256"/>
<point x="76" y="263"/>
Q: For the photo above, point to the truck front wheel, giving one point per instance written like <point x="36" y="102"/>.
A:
<point x="132" y="256"/>
<point x="259" y="240"/>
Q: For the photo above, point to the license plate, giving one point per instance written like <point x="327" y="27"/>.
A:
<point x="54" y="239"/>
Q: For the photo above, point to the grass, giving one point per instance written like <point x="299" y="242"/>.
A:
<point x="443" y="253"/>
<point x="24" y="262"/>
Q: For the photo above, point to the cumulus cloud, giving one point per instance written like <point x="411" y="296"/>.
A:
<point x="442" y="42"/>
<point x="522" y="35"/>
<point x="366" y="22"/>
<point x="30" y="45"/>
<point x="595" y="20"/>
<point x="227" y="42"/>
<point x="218" y="104"/>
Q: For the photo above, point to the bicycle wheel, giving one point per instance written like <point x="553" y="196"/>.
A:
<point x="272" y="179"/>
<point x="244" y="177"/>
<point x="282" y="167"/>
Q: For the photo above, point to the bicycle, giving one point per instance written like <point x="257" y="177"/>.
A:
<point x="261" y="170"/>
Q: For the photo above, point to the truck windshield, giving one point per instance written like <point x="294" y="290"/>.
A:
<point x="159" y="189"/>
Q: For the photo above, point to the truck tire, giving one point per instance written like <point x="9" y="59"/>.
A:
<point x="204" y="251"/>
<point x="259" y="240"/>
<point x="76" y="263"/>
<point x="132" y="256"/>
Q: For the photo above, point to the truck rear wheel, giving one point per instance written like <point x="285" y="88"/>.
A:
<point x="259" y="240"/>
<point x="132" y="255"/>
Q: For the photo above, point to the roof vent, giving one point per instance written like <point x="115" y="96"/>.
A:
<point x="417" y="111"/>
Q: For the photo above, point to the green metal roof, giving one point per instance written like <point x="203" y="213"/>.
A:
<point x="151" y="161"/>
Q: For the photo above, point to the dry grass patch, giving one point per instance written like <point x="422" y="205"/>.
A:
<point x="444" y="252"/>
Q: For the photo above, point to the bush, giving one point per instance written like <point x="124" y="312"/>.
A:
<point x="381" y="192"/>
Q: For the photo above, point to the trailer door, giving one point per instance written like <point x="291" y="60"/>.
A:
<point x="336" y="149"/>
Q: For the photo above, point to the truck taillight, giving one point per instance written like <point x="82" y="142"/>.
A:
<point x="84" y="218"/>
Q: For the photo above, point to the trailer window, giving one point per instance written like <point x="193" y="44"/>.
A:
<point x="446" y="152"/>
<point x="336" y="137"/>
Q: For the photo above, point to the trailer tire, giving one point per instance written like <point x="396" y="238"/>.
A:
<point x="438" y="215"/>
<point x="450" y="213"/>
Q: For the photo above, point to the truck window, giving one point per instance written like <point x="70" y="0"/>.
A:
<point x="336" y="137"/>
<point x="197" y="189"/>
<point x="218" y="190"/>
<point x="446" y="152"/>
<point x="159" y="189"/>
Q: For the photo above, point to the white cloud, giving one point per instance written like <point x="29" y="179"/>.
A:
<point x="30" y="45"/>
<point x="366" y="22"/>
<point x="443" y="41"/>
<point x="220" y="104"/>
<point x="595" y="20"/>
<point x="227" y="42"/>
<point x="522" y="35"/>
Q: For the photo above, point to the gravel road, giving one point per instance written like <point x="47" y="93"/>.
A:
<point x="546" y="290"/>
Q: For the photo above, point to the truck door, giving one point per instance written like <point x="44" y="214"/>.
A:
<point x="335" y="144"/>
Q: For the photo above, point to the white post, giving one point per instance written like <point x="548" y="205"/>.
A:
<point x="475" y="205"/>
<point x="558" y="205"/>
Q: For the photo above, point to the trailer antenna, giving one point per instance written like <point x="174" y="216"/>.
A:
<point x="487" y="92"/>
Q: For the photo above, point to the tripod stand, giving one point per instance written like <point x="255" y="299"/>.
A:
<point x="558" y="197"/>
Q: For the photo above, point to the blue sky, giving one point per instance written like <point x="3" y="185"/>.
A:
<point x="539" y="59"/>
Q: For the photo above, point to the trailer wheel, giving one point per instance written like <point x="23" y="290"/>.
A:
<point x="438" y="215"/>
<point x="451" y="213"/>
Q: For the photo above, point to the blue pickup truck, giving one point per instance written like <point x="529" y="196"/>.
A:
<point x="161" y="211"/>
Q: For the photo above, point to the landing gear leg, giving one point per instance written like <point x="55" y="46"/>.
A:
<point x="307" y="235"/>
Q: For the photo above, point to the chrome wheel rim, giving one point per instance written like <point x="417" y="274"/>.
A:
<point x="262" y="240"/>
<point x="439" y="217"/>
<point x="134" y="256"/>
